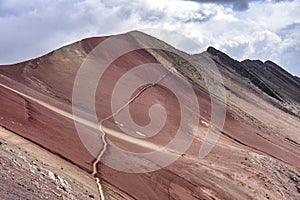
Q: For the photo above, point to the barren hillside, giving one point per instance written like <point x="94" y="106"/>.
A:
<point x="256" y="157"/>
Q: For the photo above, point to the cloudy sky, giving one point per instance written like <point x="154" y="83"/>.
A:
<point x="255" y="29"/>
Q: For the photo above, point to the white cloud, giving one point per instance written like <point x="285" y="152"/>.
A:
<point x="264" y="30"/>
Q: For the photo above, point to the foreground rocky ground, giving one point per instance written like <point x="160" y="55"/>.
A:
<point x="24" y="175"/>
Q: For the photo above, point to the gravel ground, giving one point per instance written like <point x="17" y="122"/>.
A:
<point x="24" y="176"/>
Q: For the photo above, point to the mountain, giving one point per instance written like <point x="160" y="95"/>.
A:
<point x="268" y="77"/>
<point x="257" y="154"/>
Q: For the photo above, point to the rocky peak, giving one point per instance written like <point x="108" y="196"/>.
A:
<point x="244" y="69"/>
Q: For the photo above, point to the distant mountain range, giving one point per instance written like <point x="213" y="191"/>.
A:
<point x="267" y="76"/>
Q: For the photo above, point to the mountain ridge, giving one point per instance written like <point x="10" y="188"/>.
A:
<point x="267" y="76"/>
